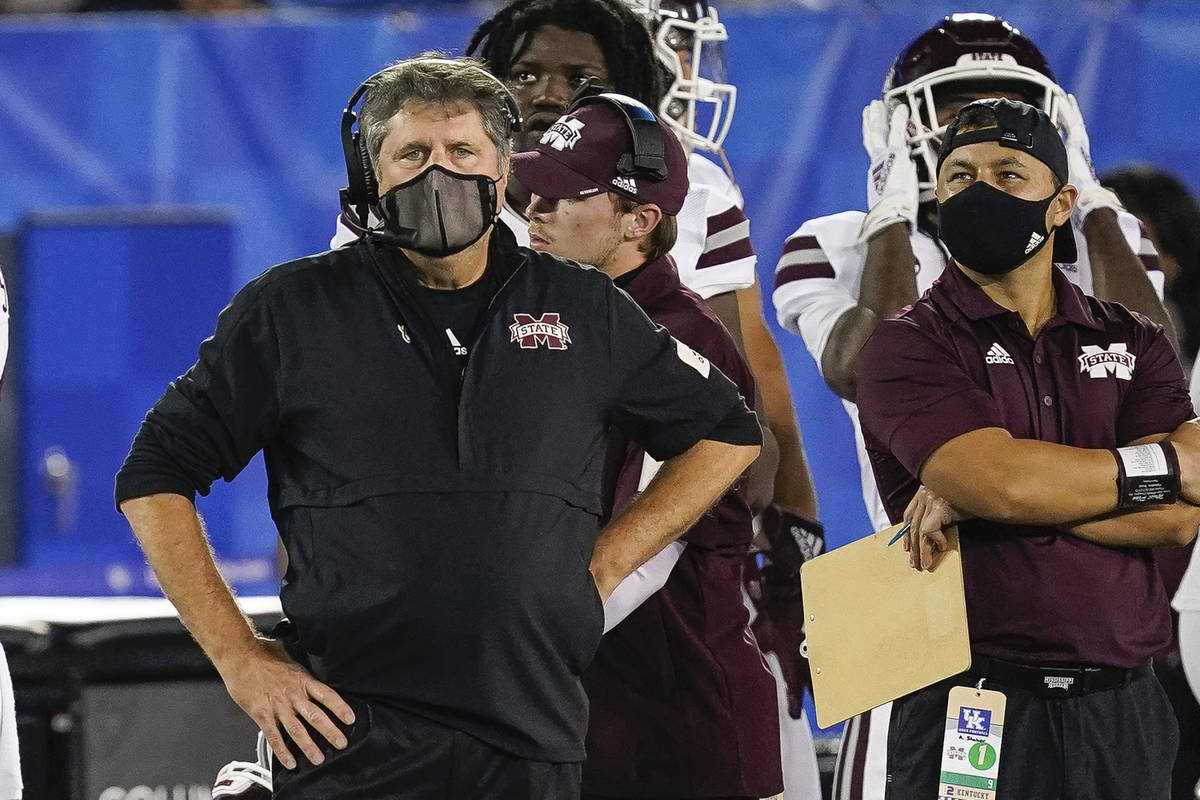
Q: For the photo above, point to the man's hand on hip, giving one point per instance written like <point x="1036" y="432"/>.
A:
<point x="276" y="693"/>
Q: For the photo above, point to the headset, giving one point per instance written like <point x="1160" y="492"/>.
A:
<point x="649" y="158"/>
<point x="362" y="190"/>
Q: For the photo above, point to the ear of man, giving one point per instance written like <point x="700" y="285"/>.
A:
<point x="1064" y="203"/>
<point x="642" y="221"/>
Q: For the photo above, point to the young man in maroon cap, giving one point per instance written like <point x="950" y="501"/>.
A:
<point x="1055" y="430"/>
<point x="682" y="704"/>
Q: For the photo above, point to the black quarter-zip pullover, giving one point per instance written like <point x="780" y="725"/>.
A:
<point x="439" y="517"/>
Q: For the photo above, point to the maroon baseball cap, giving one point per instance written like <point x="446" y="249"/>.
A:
<point x="579" y="156"/>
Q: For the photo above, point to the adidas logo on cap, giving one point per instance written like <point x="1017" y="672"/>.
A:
<point x="625" y="184"/>
<point x="998" y="355"/>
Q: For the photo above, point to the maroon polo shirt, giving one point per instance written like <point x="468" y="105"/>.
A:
<point x="1096" y="376"/>
<point x="681" y="702"/>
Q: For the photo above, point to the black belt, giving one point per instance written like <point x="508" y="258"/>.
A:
<point x="1054" y="681"/>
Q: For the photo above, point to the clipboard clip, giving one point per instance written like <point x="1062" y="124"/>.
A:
<point x="804" y="648"/>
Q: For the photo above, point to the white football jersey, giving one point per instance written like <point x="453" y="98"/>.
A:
<point x="3" y="325"/>
<point x="516" y="222"/>
<point x="820" y="274"/>
<point x="10" y="762"/>
<point x="10" y="757"/>
<point x="712" y="252"/>
<point x="1187" y="597"/>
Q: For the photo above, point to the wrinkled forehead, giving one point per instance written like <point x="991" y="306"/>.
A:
<point x="456" y="118"/>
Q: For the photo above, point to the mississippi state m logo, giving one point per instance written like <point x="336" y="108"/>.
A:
<point x="563" y="134"/>
<point x="1098" y="362"/>
<point x="529" y="332"/>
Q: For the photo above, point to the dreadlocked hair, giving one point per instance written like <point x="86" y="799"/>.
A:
<point x="621" y="33"/>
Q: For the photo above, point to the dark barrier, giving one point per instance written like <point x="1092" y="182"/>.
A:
<point x="120" y="708"/>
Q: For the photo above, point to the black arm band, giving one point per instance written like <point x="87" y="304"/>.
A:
<point x="1147" y="475"/>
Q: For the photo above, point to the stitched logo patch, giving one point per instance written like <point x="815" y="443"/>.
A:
<point x="563" y="134"/>
<point x="1098" y="362"/>
<point x="531" y="332"/>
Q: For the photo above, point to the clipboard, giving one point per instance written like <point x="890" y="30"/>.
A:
<point x="876" y="629"/>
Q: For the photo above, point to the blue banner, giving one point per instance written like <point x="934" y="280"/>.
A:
<point x="241" y="114"/>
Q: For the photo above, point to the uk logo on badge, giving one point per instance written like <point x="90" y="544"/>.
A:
<point x="974" y="721"/>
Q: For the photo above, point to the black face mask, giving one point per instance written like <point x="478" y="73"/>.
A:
<point x="439" y="212"/>
<point x="991" y="231"/>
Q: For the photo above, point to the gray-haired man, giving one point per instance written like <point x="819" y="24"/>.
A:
<point x="432" y="402"/>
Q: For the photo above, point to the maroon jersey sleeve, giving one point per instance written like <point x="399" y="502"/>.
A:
<point x="1157" y="400"/>
<point x="914" y="395"/>
<point x="728" y="523"/>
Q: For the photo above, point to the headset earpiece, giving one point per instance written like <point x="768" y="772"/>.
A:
<point x="360" y="180"/>
<point x="649" y="157"/>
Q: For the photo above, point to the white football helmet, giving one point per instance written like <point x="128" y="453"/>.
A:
<point x="688" y="40"/>
<point x="977" y="50"/>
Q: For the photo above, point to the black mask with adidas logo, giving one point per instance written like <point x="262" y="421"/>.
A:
<point x="990" y="231"/>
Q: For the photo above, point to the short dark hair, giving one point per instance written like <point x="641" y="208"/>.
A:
<point x="974" y="117"/>
<point x="623" y="37"/>
<point x="661" y="239"/>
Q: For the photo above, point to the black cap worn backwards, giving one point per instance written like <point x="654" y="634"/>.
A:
<point x="1022" y="127"/>
<point x="1018" y="125"/>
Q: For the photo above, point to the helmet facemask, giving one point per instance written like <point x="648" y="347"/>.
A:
<point x="700" y="101"/>
<point x="999" y="71"/>
<point x="689" y="41"/>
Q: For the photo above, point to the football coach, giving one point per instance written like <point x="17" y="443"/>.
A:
<point x="1055" y="429"/>
<point x="433" y="403"/>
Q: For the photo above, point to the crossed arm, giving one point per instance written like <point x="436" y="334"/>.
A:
<point x="986" y="473"/>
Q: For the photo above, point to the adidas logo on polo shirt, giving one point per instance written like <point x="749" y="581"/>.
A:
<point x="998" y="355"/>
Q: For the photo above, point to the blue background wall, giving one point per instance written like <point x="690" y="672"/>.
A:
<point x="238" y="118"/>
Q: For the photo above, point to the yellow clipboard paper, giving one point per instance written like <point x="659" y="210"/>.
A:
<point x="876" y="629"/>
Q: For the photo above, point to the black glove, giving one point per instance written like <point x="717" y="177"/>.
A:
<point x="779" y="625"/>
<point x="793" y="538"/>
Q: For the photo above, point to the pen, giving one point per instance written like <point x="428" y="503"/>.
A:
<point x="900" y="533"/>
